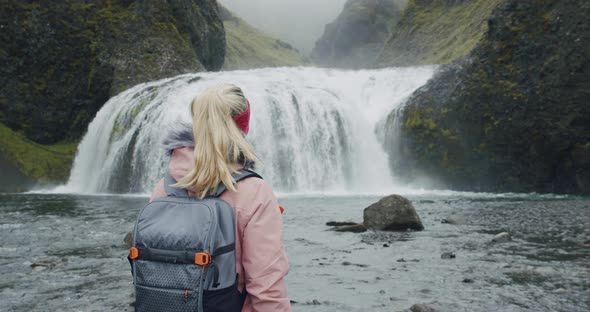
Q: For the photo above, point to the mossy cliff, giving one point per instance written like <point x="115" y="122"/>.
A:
<point x="514" y="114"/>
<point x="247" y="47"/>
<point x="356" y="37"/>
<point x="62" y="60"/>
<point x="436" y="32"/>
<point x="25" y="163"/>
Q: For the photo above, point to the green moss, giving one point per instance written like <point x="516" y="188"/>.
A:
<point x="434" y="32"/>
<point x="42" y="163"/>
<point x="415" y="118"/>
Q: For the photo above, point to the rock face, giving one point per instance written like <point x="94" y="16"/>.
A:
<point x="514" y="115"/>
<point x="62" y="60"/>
<point x="249" y="48"/>
<point x="436" y="31"/>
<point x="356" y="37"/>
<point x="392" y="213"/>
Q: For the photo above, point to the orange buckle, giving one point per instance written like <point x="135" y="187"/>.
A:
<point x="133" y="253"/>
<point x="202" y="258"/>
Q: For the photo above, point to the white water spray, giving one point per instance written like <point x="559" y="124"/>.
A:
<point x="313" y="129"/>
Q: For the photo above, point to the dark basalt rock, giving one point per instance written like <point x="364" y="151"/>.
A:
<point x="340" y="223"/>
<point x="513" y="115"/>
<point x="355" y="228"/>
<point x="62" y="60"/>
<point x="392" y="213"/>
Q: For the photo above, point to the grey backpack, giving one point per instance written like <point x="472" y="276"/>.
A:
<point x="183" y="253"/>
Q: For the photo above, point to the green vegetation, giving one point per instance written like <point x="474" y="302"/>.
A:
<point x="435" y="32"/>
<point x="41" y="163"/>
<point x="247" y="47"/>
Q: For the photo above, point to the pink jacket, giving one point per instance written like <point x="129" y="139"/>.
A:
<point x="261" y="261"/>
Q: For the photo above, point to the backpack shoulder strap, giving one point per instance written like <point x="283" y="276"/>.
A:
<point x="173" y="191"/>
<point x="239" y="175"/>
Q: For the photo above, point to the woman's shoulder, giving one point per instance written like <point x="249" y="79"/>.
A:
<point x="250" y="192"/>
<point x="252" y="185"/>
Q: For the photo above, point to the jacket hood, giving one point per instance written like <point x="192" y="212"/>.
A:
<point x="180" y="134"/>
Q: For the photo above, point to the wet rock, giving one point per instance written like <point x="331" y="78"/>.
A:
<point x="427" y="201"/>
<point x="528" y="276"/>
<point x="42" y="265"/>
<point x="448" y="255"/>
<point x="356" y="228"/>
<point x="586" y="243"/>
<point x="392" y="213"/>
<point x="385" y="245"/>
<point x="340" y="223"/>
<point x="467" y="281"/>
<point x="421" y="308"/>
<point x="346" y="263"/>
<point x="453" y="219"/>
<point x="502" y="237"/>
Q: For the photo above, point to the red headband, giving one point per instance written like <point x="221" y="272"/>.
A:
<point x="243" y="119"/>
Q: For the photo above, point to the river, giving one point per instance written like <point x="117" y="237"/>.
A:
<point x="66" y="253"/>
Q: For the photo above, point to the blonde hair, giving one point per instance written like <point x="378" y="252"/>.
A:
<point x="219" y="143"/>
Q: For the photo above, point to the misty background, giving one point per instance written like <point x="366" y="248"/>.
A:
<point x="298" y="22"/>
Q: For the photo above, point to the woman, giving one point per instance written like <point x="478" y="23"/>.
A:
<point x="221" y="118"/>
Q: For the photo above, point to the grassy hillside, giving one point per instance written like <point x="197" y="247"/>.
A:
<point x="31" y="162"/>
<point x="436" y="32"/>
<point x="247" y="47"/>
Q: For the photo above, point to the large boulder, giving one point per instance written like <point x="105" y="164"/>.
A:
<point x="392" y="213"/>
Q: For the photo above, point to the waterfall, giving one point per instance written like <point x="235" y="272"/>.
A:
<point x="313" y="129"/>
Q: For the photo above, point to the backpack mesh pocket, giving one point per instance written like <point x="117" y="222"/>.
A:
<point x="162" y="299"/>
<point x="167" y="275"/>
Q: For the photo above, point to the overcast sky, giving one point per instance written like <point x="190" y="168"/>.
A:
<point x="298" y="22"/>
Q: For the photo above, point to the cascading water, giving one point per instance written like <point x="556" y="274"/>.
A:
<point x="313" y="129"/>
